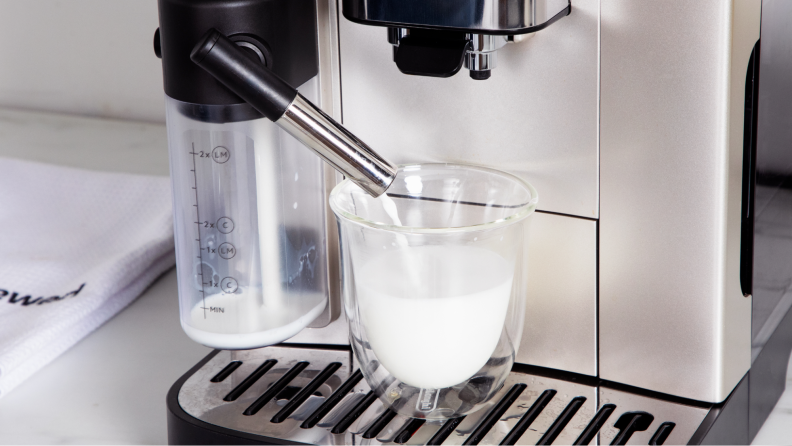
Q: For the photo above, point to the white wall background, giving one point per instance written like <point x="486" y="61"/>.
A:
<point x="87" y="57"/>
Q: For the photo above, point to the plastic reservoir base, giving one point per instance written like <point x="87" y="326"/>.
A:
<point x="255" y="339"/>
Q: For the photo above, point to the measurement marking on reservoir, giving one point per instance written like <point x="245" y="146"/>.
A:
<point x="198" y="218"/>
<point x="213" y="309"/>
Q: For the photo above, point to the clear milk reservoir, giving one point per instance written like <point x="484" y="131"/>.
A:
<point x="250" y="225"/>
<point x="434" y="284"/>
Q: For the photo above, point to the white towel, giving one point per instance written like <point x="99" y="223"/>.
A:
<point x="76" y="247"/>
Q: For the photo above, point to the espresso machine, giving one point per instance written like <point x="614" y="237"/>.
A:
<point x="657" y="308"/>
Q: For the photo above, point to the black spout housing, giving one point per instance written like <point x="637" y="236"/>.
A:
<point x="279" y="34"/>
<point x="431" y="53"/>
<point x="252" y="80"/>
<point x="431" y="45"/>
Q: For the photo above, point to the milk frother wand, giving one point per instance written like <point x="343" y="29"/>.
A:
<point x="283" y="105"/>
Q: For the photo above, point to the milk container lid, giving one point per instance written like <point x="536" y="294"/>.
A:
<point x="278" y="33"/>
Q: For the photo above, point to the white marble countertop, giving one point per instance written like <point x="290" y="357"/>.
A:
<point x="110" y="388"/>
<point x="778" y="427"/>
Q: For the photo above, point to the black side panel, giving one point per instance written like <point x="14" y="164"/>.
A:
<point x="728" y="422"/>
<point x="773" y="204"/>
<point x="749" y="173"/>
<point x="185" y="429"/>
<point x="768" y="375"/>
<point x="771" y="321"/>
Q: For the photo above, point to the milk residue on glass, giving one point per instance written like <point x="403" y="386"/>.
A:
<point x="427" y="330"/>
<point x="246" y="320"/>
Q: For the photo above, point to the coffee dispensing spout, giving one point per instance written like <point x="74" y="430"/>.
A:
<point x="283" y="105"/>
<point x="438" y="38"/>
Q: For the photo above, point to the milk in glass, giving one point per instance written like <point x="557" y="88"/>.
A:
<point x="433" y="314"/>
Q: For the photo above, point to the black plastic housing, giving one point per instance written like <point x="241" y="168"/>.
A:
<point x="248" y="77"/>
<point x="751" y="123"/>
<point x="431" y="53"/>
<point x="283" y="31"/>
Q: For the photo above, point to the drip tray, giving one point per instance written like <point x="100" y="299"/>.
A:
<point x="280" y="395"/>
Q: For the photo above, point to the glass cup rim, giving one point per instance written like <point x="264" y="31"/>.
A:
<point x="522" y="210"/>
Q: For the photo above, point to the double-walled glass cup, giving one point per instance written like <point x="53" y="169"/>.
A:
<point x="434" y="284"/>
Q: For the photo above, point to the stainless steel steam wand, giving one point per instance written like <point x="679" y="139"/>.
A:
<point x="280" y="102"/>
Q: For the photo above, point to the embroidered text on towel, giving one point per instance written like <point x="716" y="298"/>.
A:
<point x="26" y="300"/>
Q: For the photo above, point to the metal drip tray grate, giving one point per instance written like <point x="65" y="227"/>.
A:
<point x="311" y="395"/>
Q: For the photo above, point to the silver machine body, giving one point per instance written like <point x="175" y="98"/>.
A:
<point x="628" y="118"/>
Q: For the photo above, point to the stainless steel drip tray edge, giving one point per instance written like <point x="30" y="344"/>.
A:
<point x="276" y="395"/>
<point x="185" y="429"/>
